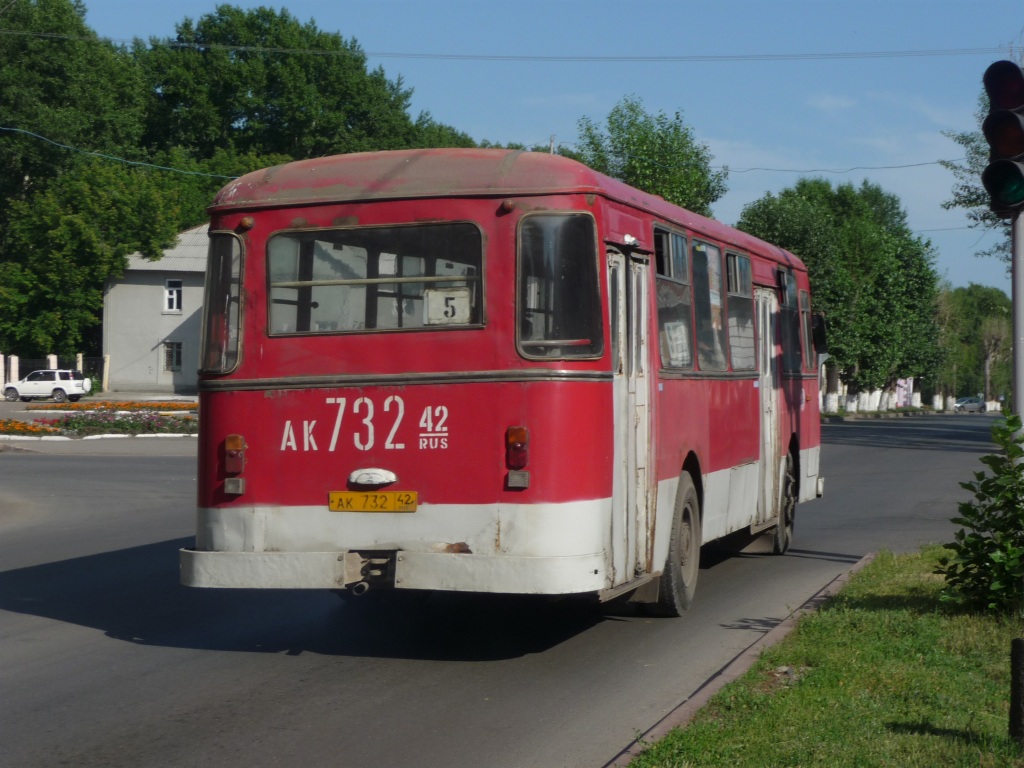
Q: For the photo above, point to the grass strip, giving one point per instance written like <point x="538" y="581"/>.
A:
<point x="884" y="674"/>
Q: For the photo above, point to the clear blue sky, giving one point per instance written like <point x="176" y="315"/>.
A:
<point x="805" y="116"/>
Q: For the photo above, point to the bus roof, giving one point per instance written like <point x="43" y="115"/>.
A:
<point x="432" y="173"/>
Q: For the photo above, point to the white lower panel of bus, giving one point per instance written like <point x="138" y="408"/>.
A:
<point x="413" y="570"/>
<point x="524" y="549"/>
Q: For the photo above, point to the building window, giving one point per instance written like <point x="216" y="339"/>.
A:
<point x="172" y="296"/>
<point x="172" y="355"/>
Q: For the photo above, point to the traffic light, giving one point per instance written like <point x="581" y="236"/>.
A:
<point x="1003" y="179"/>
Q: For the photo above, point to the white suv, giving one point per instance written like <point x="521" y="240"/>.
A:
<point x="60" y="385"/>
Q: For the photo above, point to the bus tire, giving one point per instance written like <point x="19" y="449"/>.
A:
<point x="678" y="581"/>
<point x="783" y="537"/>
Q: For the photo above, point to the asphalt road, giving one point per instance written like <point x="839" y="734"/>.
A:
<point x="106" y="661"/>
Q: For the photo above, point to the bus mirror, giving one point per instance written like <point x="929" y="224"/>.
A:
<point x="819" y="332"/>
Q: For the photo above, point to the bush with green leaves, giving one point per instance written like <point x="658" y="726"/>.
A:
<point x="987" y="565"/>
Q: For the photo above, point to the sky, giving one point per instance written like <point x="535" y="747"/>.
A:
<point x="845" y="90"/>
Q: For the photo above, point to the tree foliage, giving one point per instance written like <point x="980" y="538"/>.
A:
<point x="71" y="238"/>
<point x="975" y="339"/>
<point x="260" y="81"/>
<point x="232" y="92"/>
<point x="873" y="279"/>
<point x="656" y="153"/>
<point x="61" y="82"/>
<point x="968" y="193"/>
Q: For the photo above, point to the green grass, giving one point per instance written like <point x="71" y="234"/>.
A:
<point x="885" y="674"/>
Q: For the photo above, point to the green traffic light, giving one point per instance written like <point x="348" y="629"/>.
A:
<point x="1004" y="181"/>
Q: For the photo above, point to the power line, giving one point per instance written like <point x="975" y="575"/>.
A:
<point x="838" y="171"/>
<point x="682" y="59"/>
<point x="112" y="157"/>
<point x="843" y="170"/>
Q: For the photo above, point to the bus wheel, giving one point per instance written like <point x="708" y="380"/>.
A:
<point x="787" y="512"/>
<point x="679" y="579"/>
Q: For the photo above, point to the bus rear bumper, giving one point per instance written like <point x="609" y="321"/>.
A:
<point x="412" y="570"/>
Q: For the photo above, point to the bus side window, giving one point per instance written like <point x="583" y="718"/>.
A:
<point x="708" y="302"/>
<point x="741" y="312"/>
<point x="791" y="352"/>
<point x="675" y="327"/>
<point x="805" y="327"/>
<point x="558" y="303"/>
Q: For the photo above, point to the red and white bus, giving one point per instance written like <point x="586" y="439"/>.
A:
<point x="492" y="371"/>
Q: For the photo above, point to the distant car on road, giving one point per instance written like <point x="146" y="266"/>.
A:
<point x="969" y="404"/>
<point x="60" y="385"/>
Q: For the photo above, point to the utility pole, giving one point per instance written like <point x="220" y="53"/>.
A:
<point x="1003" y="179"/>
<point x="1017" y="289"/>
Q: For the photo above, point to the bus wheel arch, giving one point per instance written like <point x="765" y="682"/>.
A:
<point x="678" y="582"/>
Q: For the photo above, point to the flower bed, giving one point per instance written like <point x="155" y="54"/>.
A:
<point x="123" y="423"/>
<point x="103" y="417"/>
<point x="26" y="428"/>
<point x="116" y="405"/>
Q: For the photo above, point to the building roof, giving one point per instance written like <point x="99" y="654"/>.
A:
<point x="188" y="255"/>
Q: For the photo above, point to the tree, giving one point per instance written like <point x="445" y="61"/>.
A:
<point x="995" y="344"/>
<point x="656" y="153"/>
<point x="259" y="81"/>
<point x="70" y="239"/>
<point x="872" y="278"/>
<point x="975" y="341"/>
<point x="234" y="92"/>
<point x="968" y="193"/>
<point x="60" y="85"/>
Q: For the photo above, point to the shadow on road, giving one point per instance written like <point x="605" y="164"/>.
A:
<point x="134" y="595"/>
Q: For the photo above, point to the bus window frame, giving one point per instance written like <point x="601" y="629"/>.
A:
<point x="807" y="340"/>
<point x="204" y="315"/>
<point x="789" y="302"/>
<point x="671" y="277"/>
<point x="480" y="280"/>
<point x="731" y="256"/>
<point x="723" y="291"/>
<point x="598" y="296"/>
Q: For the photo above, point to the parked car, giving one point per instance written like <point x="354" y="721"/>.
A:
<point x="58" y="384"/>
<point x="969" y="404"/>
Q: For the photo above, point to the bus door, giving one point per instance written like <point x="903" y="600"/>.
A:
<point x="768" y="384"/>
<point x="631" y="513"/>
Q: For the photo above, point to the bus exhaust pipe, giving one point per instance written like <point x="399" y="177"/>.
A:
<point x="360" y="588"/>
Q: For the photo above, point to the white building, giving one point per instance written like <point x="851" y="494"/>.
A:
<point x="151" y="319"/>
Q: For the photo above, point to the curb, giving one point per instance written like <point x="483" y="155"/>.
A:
<point x="685" y="711"/>
<point x="834" y="418"/>
<point x="64" y="438"/>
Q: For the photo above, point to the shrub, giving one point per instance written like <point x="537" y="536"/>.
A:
<point x="987" y="564"/>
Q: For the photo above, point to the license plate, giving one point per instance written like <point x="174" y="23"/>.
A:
<point x="378" y="501"/>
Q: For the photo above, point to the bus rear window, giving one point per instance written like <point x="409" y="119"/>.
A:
<point x="558" y="305"/>
<point x="375" y="279"/>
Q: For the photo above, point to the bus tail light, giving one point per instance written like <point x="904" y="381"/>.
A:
<point x="517" y="447"/>
<point x="234" y="454"/>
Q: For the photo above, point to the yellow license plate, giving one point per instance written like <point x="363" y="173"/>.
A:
<point x="372" y="501"/>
